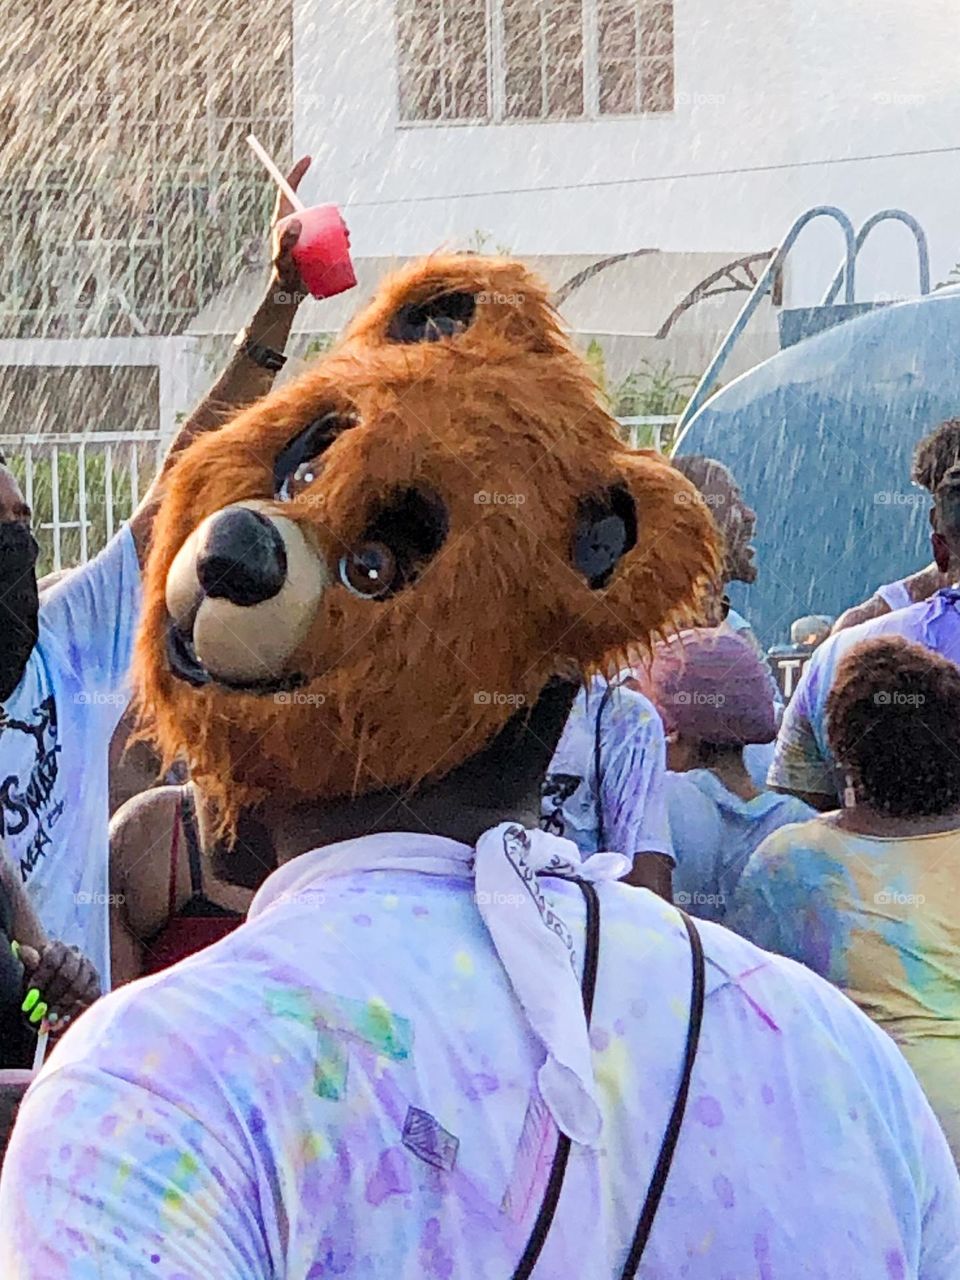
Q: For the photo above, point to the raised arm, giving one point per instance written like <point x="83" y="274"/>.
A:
<point x="248" y="376"/>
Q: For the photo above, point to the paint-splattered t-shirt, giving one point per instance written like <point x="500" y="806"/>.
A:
<point x="878" y="917"/>
<point x="346" y="1086"/>
<point x="625" y="808"/>
<point x="803" y="761"/>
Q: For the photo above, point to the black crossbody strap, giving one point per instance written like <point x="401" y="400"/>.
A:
<point x="672" y="1134"/>
<point x="551" y="1197"/>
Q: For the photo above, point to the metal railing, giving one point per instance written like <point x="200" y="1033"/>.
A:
<point x="81" y="487"/>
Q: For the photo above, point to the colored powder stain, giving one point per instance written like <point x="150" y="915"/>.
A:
<point x="708" y="1111"/>
<point x="64" y="1152"/>
<point x="613" y="1069"/>
<point x="292" y="1004"/>
<point x="620" y="1027"/>
<point x="330" y="1069"/>
<point x="390" y="1035"/>
<point x="484" y="1083"/>
<point x="391" y="1177"/>
<point x="896" y="1268"/>
<point x="421" y="911"/>
<point x="363" y="920"/>
<point x="766" y="1093"/>
<point x="723" y="1190"/>
<point x="65" y="1104"/>
<point x="761" y="1252"/>
<point x="257" y="1122"/>
<point x="123" y="1173"/>
<point x="391" y="902"/>
<point x="76" y="1238"/>
<point x="107" y="1125"/>
<point x="315" y="1147"/>
<point x="154" y="1257"/>
<point x="183" y="1173"/>
<point x="599" y="1039"/>
<point x="463" y="963"/>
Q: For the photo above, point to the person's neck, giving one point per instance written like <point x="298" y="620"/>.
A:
<point x="439" y="811"/>
<point x="864" y="819"/>
<point x="732" y="772"/>
<point x="499" y="784"/>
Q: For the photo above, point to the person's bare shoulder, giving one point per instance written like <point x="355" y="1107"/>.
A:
<point x="141" y="840"/>
<point x="875" y="607"/>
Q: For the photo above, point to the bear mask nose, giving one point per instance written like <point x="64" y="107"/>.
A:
<point x="242" y="558"/>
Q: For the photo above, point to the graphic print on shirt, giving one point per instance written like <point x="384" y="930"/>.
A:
<point x="557" y="788"/>
<point x="25" y="802"/>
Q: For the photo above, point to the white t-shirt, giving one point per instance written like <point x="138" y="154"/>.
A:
<point x="55" y="732"/>
<point x="630" y="796"/>
<point x="349" y="1086"/>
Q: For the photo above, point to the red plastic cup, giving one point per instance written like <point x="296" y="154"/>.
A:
<point x="322" y="253"/>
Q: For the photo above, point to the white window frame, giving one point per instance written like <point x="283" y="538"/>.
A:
<point x="497" y="75"/>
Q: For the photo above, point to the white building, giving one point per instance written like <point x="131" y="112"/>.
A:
<point x="604" y="126"/>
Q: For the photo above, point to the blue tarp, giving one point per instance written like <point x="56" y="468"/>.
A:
<point x="820" y="438"/>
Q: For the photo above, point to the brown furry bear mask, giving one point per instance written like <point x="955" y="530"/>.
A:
<point x="356" y="583"/>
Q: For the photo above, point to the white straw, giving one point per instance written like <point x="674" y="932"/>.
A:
<point x="41" y="1046"/>
<point x="275" y="174"/>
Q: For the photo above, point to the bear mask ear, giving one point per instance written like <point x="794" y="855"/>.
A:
<point x="606" y="530"/>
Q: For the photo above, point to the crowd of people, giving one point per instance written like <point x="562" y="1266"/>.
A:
<point x="815" y="822"/>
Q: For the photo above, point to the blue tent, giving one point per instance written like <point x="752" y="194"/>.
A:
<point x="820" y="438"/>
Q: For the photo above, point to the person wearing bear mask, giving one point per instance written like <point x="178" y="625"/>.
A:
<point x="446" y="1043"/>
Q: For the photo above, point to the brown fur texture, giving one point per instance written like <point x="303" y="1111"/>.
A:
<point x="405" y="689"/>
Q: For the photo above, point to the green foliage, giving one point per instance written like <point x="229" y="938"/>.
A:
<point x="95" y="471"/>
<point x="319" y="345"/>
<point x="653" y="391"/>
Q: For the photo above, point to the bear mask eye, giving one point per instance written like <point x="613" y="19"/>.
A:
<point x="299" y="462"/>
<point x="370" y="570"/>
<point x="403" y="535"/>
<point x="443" y="317"/>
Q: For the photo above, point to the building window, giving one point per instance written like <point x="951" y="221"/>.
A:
<point x="542" y="59"/>
<point x="499" y="60"/>
<point x="443" y="62"/>
<point x="634" y="56"/>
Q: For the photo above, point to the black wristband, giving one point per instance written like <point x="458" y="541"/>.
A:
<point x="265" y="357"/>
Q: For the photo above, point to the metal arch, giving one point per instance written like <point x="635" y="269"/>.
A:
<point x="762" y="288"/>
<point x="573" y="284"/>
<point x="703" y="290"/>
<point x="889" y="215"/>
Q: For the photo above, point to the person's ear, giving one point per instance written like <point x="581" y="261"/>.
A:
<point x="646" y="551"/>
<point x="941" y="552"/>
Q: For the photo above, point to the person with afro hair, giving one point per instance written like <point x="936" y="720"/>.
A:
<point x="866" y="896"/>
